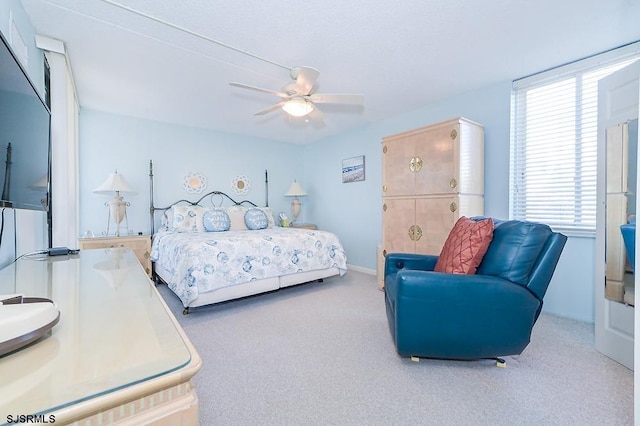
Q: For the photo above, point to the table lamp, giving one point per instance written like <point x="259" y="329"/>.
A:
<point x="115" y="183"/>
<point x="295" y="191"/>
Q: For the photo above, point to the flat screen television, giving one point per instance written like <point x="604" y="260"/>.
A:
<point x="25" y="151"/>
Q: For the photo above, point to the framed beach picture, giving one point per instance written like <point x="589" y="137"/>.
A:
<point x="353" y="169"/>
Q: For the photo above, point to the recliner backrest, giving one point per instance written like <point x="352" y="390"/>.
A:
<point x="546" y="264"/>
<point x="515" y="250"/>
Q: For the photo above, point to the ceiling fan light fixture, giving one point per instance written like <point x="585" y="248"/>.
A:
<point x="297" y="107"/>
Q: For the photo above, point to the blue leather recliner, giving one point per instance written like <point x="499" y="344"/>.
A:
<point x="486" y="315"/>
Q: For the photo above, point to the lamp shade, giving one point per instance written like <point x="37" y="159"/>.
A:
<point x="295" y="190"/>
<point x="114" y="183"/>
<point x="298" y="107"/>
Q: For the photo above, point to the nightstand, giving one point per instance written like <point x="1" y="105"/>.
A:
<point x="139" y="244"/>
<point x="304" y="226"/>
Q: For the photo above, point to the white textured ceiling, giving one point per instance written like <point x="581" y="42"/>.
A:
<point x="154" y="58"/>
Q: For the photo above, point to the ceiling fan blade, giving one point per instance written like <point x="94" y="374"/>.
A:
<point x="327" y="98"/>
<point x="305" y="78"/>
<point x="269" y="109"/>
<point x="259" y="89"/>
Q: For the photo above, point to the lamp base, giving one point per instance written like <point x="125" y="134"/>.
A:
<point x="295" y="209"/>
<point x="117" y="213"/>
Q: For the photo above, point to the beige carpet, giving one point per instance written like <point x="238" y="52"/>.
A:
<point x="321" y="354"/>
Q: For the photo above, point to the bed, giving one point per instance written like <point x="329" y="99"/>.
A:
<point x="216" y="249"/>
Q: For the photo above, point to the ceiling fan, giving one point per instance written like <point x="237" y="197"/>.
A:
<point x="298" y="98"/>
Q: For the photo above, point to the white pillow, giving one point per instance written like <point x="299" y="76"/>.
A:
<point x="167" y="219"/>
<point x="188" y="218"/>
<point x="236" y="216"/>
<point x="269" y="213"/>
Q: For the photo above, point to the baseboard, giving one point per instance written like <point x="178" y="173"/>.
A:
<point x="361" y="269"/>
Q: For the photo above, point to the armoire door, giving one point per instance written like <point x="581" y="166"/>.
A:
<point x="434" y="218"/>
<point x="398" y="219"/>
<point x="437" y="148"/>
<point x="398" y="167"/>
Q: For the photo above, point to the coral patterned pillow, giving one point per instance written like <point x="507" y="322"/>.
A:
<point x="465" y="247"/>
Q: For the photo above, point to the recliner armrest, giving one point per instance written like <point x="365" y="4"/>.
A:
<point x="435" y="285"/>
<point x="395" y="262"/>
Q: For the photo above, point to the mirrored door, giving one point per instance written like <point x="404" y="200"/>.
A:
<point x="620" y="210"/>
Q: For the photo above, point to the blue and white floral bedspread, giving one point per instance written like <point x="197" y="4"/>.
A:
<point x="206" y="261"/>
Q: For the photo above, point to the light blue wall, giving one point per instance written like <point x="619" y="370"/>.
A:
<point x="353" y="210"/>
<point x="109" y="142"/>
<point x="13" y="9"/>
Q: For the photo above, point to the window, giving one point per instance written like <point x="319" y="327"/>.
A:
<point x="554" y="140"/>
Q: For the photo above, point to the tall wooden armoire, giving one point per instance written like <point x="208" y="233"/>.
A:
<point x="430" y="177"/>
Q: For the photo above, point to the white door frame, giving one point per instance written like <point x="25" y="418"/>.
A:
<point x="64" y="145"/>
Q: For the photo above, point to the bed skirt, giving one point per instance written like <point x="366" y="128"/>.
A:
<point x="250" y="288"/>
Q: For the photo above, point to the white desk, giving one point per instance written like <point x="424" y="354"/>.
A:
<point x="117" y="354"/>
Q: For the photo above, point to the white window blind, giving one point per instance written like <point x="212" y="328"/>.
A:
<point x="553" y="142"/>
